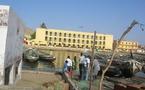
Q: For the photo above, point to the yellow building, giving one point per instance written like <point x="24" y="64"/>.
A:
<point x="126" y="45"/>
<point x="73" y="39"/>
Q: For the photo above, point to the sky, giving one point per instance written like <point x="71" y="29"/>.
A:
<point x="103" y="16"/>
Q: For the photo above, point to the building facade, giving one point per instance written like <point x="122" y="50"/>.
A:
<point x="73" y="39"/>
<point x="126" y="45"/>
<point x="11" y="46"/>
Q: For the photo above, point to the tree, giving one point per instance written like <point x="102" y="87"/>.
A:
<point x="43" y="25"/>
<point x="33" y="35"/>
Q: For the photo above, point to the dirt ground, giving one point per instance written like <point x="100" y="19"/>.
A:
<point x="34" y="80"/>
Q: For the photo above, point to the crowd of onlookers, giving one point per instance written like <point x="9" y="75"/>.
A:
<point x="83" y="65"/>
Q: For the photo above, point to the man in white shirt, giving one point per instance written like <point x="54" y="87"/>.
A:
<point x="69" y="66"/>
<point x="87" y="67"/>
<point x="81" y="64"/>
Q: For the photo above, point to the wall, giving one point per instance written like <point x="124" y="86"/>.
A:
<point x="109" y="42"/>
<point x="57" y="37"/>
<point x="40" y="34"/>
<point x="14" y="41"/>
<point x="11" y="46"/>
<point x="3" y="34"/>
<point x="126" y="45"/>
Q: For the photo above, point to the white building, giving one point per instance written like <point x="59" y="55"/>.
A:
<point x="11" y="46"/>
<point x="140" y="50"/>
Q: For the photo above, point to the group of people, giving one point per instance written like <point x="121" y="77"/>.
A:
<point x="70" y="65"/>
<point x="84" y="66"/>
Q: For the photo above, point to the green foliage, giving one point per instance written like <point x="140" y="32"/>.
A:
<point x="43" y="25"/>
<point x="33" y="35"/>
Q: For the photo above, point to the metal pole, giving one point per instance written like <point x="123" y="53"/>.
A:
<point x="92" y="59"/>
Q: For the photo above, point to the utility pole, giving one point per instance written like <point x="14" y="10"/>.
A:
<point x="92" y="59"/>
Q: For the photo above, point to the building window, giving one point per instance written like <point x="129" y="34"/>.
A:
<point x="78" y="46"/>
<point x="74" y="40"/>
<point x="55" y="33"/>
<point x="82" y="46"/>
<point x="91" y="42"/>
<point x="103" y="47"/>
<point x="50" y="33"/>
<point x="83" y="36"/>
<point x="74" y="36"/>
<point x="59" y="44"/>
<point x="87" y="36"/>
<point x="46" y="38"/>
<point x="64" y="34"/>
<point x="55" y="39"/>
<point x="87" y="41"/>
<point x="59" y="39"/>
<point x="78" y="41"/>
<point x="104" y="43"/>
<point x="96" y="37"/>
<point x="73" y="46"/>
<point x="54" y="44"/>
<point x="46" y="32"/>
<point x="83" y="41"/>
<point x="87" y="46"/>
<point x="69" y="40"/>
<point x="64" y="40"/>
<point x="104" y="38"/>
<point x="100" y="37"/>
<point x="50" y="44"/>
<point x="69" y="35"/>
<point x="78" y="35"/>
<point x="50" y="39"/>
<point x="60" y="34"/>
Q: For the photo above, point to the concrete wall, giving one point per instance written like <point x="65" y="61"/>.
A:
<point x="3" y="35"/>
<point x="12" y="46"/>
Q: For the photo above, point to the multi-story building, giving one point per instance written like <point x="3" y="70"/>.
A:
<point x="74" y="39"/>
<point x="126" y="45"/>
